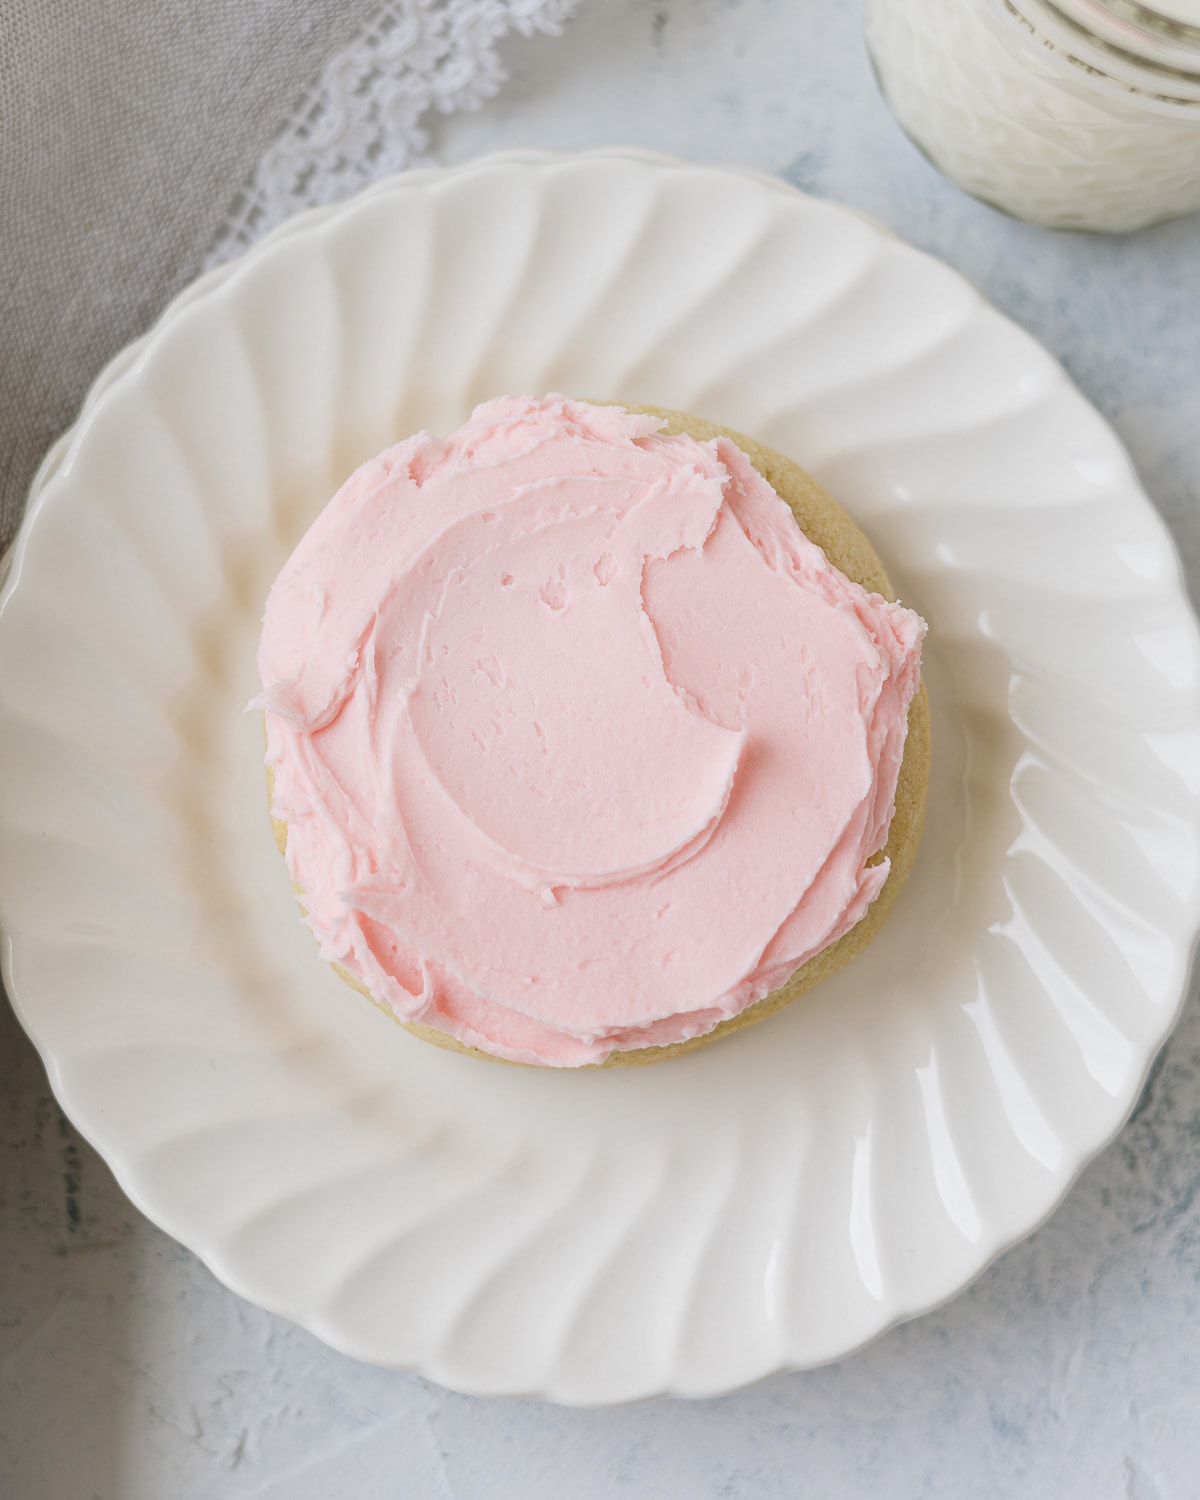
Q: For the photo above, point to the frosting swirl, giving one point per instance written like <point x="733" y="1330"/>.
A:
<point x="580" y="743"/>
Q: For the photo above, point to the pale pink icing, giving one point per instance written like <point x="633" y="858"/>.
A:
<point x="581" y="744"/>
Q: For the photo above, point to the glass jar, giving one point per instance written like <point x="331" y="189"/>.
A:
<point x="1079" y="114"/>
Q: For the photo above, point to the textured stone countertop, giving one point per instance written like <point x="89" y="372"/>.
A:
<point x="1070" y="1370"/>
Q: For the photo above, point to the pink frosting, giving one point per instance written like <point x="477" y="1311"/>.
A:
<point x="581" y="744"/>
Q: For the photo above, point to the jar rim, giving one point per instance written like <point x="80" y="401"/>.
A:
<point x="1155" y="18"/>
<point x="1135" y="28"/>
<point x="1164" y="77"/>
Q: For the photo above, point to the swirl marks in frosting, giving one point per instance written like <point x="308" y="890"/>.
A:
<point x="581" y="745"/>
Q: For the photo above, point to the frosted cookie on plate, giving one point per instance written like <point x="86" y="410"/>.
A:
<point x="592" y="732"/>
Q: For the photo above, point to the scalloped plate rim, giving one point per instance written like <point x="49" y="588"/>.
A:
<point x="58" y="459"/>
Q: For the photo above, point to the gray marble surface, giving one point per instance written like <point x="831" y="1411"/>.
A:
<point x="1070" y="1369"/>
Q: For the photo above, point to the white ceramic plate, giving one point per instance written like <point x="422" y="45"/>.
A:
<point x="774" y="1200"/>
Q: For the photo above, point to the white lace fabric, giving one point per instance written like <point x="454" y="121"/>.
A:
<point x="362" y="117"/>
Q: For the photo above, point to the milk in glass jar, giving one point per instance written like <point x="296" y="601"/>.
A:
<point x="1079" y="114"/>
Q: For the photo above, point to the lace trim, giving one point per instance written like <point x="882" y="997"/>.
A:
<point x="361" y="119"/>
